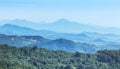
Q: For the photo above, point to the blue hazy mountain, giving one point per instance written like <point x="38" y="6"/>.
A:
<point x="89" y="37"/>
<point x="58" y="44"/>
<point x="11" y="29"/>
<point x="101" y="41"/>
<point x="64" y="26"/>
<point x="23" y="23"/>
<point x="15" y="30"/>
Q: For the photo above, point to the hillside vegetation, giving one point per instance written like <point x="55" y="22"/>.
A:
<point x="38" y="58"/>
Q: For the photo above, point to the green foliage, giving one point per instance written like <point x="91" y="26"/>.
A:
<point x="39" y="58"/>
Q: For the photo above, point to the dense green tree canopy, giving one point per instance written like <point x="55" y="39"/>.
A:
<point x="39" y="58"/>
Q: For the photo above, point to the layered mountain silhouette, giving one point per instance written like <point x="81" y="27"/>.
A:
<point x="103" y="41"/>
<point x="64" y="26"/>
<point x="58" y="44"/>
<point x="25" y="33"/>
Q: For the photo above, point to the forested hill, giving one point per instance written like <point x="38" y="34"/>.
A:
<point x="39" y="58"/>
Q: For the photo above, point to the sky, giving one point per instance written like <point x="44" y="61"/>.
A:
<point x="96" y="12"/>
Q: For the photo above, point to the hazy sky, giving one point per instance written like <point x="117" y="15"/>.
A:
<point x="98" y="12"/>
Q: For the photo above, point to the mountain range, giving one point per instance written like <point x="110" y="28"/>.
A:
<point x="63" y="26"/>
<point x="10" y="29"/>
<point x="23" y="33"/>
<point x="58" y="44"/>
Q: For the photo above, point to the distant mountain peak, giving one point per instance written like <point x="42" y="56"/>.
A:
<point x="62" y="21"/>
<point x="65" y="22"/>
<point x="19" y="20"/>
<point x="9" y="26"/>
